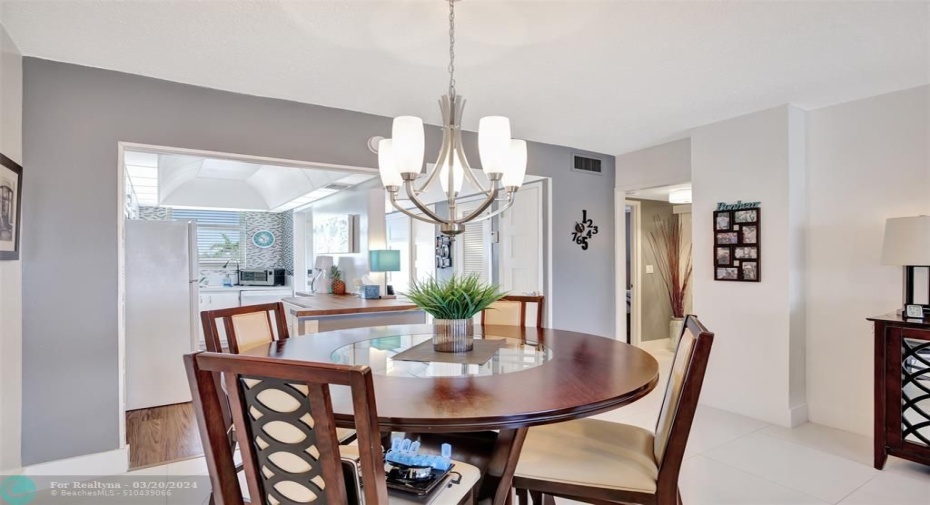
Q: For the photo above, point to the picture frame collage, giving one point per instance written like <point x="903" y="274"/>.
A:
<point x="737" y="245"/>
<point x="443" y="251"/>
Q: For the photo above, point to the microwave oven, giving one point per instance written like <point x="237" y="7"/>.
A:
<point x="261" y="277"/>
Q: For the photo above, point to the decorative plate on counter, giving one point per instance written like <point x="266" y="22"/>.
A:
<point x="263" y="239"/>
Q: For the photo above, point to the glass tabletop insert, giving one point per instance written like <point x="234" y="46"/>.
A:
<point x="378" y="354"/>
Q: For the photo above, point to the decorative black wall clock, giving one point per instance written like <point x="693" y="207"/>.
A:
<point x="584" y="230"/>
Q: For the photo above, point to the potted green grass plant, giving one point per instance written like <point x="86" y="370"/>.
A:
<point x="453" y="303"/>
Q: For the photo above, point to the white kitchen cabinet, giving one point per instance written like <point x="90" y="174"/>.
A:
<point x="213" y="300"/>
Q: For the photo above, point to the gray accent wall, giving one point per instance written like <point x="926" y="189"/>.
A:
<point x="74" y="117"/>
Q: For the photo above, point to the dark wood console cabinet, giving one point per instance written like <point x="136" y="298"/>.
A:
<point x="902" y="389"/>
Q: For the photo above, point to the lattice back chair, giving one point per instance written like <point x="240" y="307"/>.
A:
<point x="244" y="327"/>
<point x="284" y="423"/>
<point x="617" y="463"/>
<point x="512" y="310"/>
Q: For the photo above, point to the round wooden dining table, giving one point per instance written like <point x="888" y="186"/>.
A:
<point x="532" y="376"/>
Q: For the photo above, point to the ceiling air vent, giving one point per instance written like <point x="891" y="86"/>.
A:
<point x="586" y="165"/>
<point x="335" y="186"/>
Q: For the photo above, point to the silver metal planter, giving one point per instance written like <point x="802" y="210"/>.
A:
<point x="453" y="335"/>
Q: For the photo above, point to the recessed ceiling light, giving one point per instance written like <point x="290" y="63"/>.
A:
<point x="680" y="196"/>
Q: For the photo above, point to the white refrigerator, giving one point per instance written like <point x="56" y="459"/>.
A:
<point x="162" y="311"/>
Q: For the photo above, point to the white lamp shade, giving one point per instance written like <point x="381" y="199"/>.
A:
<point x="458" y="175"/>
<point x="493" y="143"/>
<point x="680" y="196"/>
<point x="387" y="164"/>
<point x="516" y="165"/>
<point x="409" y="143"/>
<point x="323" y="262"/>
<point x="907" y="241"/>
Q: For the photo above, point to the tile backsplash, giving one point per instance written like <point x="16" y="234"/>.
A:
<point x="267" y="257"/>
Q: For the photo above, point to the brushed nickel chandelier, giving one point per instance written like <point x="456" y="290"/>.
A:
<point x="503" y="159"/>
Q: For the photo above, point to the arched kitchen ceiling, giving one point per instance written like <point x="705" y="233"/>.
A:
<point x="195" y="181"/>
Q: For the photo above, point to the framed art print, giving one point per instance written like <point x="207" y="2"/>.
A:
<point x="336" y="234"/>
<point x="11" y="192"/>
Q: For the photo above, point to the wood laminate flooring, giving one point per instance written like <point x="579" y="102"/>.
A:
<point x="161" y="435"/>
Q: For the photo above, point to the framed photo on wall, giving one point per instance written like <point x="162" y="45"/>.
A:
<point x="336" y="234"/>
<point x="737" y="249"/>
<point x="11" y="193"/>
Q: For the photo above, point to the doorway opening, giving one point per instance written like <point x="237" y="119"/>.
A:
<point x="649" y="214"/>
<point x="190" y="224"/>
<point x="512" y="249"/>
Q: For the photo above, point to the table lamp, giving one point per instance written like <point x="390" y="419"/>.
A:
<point x="384" y="260"/>
<point x="907" y="243"/>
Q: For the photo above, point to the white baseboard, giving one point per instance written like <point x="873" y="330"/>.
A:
<point x="100" y="464"/>
<point x="798" y="415"/>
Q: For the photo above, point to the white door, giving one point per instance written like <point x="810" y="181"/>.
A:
<point x="521" y="246"/>
<point x="397" y="231"/>
<point x="424" y="250"/>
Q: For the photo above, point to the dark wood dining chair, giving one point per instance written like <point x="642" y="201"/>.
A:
<point x="511" y="310"/>
<point x="247" y="327"/>
<point x="287" y="434"/>
<point x="244" y="327"/>
<point x="601" y="462"/>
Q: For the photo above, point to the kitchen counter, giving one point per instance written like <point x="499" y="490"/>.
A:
<point x="332" y="305"/>
<point x="323" y="312"/>
<point x="246" y="288"/>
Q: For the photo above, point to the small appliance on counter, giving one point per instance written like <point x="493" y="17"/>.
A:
<point x="371" y="291"/>
<point x="261" y="277"/>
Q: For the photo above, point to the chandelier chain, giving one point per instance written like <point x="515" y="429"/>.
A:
<point x="452" y="48"/>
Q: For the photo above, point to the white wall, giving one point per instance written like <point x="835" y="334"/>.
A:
<point x="751" y="158"/>
<point x="11" y="300"/>
<point x="368" y="202"/>
<point x="867" y="161"/>
<point x="661" y="165"/>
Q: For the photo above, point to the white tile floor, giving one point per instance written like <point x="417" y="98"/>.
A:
<point x="735" y="460"/>
<point x="732" y="459"/>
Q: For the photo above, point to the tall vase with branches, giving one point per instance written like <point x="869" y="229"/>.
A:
<point x="673" y="258"/>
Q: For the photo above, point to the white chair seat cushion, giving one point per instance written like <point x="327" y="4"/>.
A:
<point x="343" y="433"/>
<point x="591" y="453"/>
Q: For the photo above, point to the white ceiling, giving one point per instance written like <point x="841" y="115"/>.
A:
<point x="176" y="180"/>
<point x="600" y="75"/>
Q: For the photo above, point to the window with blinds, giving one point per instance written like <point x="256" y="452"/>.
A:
<point x="473" y="250"/>
<point x="474" y="246"/>
<point x="220" y="234"/>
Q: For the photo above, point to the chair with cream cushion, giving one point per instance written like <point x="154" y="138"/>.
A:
<point x="287" y="435"/>
<point x="602" y="462"/>
<point x="244" y="327"/>
<point x="512" y="310"/>
<point x="248" y="327"/>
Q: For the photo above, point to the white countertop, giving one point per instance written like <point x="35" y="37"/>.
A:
<point x="246" y="288"/>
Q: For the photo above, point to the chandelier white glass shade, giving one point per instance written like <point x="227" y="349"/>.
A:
<point x="503" y="160"/>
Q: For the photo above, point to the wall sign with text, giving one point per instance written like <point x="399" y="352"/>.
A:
<point x="737" y="242"/>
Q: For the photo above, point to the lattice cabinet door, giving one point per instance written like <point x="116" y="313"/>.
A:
<point x="902" y="392"/>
